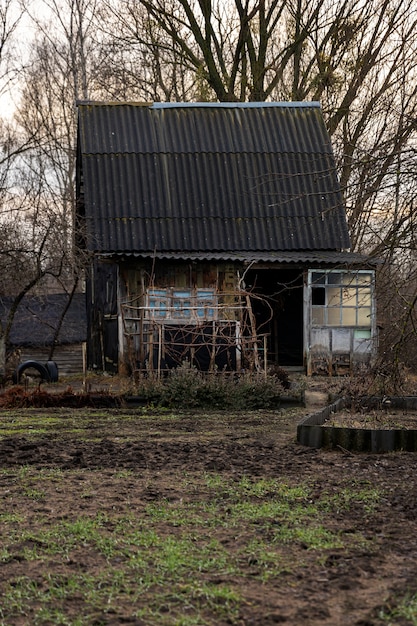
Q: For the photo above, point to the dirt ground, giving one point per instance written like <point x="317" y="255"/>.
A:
<point x="341" y="587"/>
<point x="381" y="419"/>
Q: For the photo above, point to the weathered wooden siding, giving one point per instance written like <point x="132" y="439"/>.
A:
<point x="69" y="358"/>
<point x="140" y="331"/>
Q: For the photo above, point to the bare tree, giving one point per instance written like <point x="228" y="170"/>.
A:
<point x="354" y="58"/>
<point x="63" y="69"/>
<point x="11" y="145"/>
<point x="39" y="216"/>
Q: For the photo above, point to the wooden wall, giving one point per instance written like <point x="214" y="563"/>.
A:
<point x="69" y="358"/>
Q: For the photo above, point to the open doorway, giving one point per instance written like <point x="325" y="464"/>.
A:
<point x="277" y="304"/>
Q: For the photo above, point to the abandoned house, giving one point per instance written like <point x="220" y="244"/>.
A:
<point x="217" y="234"/>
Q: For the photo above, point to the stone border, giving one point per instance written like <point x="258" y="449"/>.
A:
<point x="312" y="433"/>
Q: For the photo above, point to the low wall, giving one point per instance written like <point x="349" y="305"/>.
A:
<point x="312" y="432"/>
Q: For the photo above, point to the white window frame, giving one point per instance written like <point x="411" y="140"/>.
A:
<point x="176" y="305"/>
<point x="341" y="298"/>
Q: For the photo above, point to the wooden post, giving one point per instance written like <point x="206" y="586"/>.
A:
<point x="103" y="360"/>
<point x="238" y="348"/>
<point x="213" y="348"/>
<point x="253" y="334"/>
<point x="142" y="303"/>
<point x="159" y="349"/>
<point x="84" y="357"/>
<point x="150" y="358"/>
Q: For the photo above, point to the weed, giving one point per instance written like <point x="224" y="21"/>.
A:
<point x="11" y="519"/>
<point x="5" y="555"/>
<point x="353" y="494"/>
<point x="186" y="386"/>
<point x="405" y="609"/>
<point x="34" y="494"/>
<point x="125" y="473"/>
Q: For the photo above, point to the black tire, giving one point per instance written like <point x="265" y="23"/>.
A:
<point x="31" y="365"/>
<point x="52" y="369"/>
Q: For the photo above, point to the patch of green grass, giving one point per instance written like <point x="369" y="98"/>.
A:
<point x="354" y="493"/>
<point x="34" y="494"/>
<point x="264" y="558"/>
<point x="167" y="604"/>
<point x="405" y="609"/>
<point x="172" y="558"/>
<point x="124" y="473"/>
<point x="11" y="519"/>
<point x="311" y="538"/>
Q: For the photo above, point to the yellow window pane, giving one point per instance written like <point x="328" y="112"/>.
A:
<point x="349" y="278"/>
<point x="364" y="279"/>
<point x="318" y="316"/>
<point x="364" y="297"/>
<point x="349" y="316"/>
<point x="364" y="316"/>
<point x="349" y="296"/>
<point x="333" y="316"/>
<point x="333" y="296"/>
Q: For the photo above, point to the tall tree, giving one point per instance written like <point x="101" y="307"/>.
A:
<point x="11" y="146"/>
<point x="63" y="69"/>
<point x="354" y="58"/>
<point x="40" y="232"/>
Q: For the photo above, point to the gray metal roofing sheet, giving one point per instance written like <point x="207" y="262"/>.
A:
<point x="37" y="318"/>
<point x="300" y="257"/>
<point x="209" y="178"/>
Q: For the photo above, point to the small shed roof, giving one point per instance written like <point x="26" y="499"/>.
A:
<point x="208" y="178"/>
<point x="37" y="319"/>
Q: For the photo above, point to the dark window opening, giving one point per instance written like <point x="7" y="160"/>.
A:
<point x="318" y="296"/>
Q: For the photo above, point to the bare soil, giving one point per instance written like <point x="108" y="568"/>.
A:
<point x="329" y="588"/>
<point x="381" y="419"/>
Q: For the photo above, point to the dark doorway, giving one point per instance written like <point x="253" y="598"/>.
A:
<point x="277" y="303"/>
<point x="102" y="345"/>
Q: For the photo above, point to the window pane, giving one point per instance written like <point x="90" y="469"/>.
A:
<point x="181" y="293"/>
<point x="364" y="297"/>
<point x="318" y="316"/>
<point x="362" y="334"/>
<point x="318" y="278"/>
<point x="349" y="279"/>
<point x="181" y="308"/>
<point x="349" y="316"/>
<point x="364" y="279"/>
<point x="162" y="312"/>
<point x="205" y="303"/>
<point x="333" y="296"/>
<point x="204" y="309"/>
<point x="334" y="316"/>
<point x="334" y="278"/>
<point x="205" y="293"/>
<point x="364" y="316"/>
<point x="318" y="295"/>
<point x="157" y="293"/>
<point x="349" y="296"/>
<point x="157" y="303"/>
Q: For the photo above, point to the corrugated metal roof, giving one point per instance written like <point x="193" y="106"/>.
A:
<point x="37" y="318"/>
<point x="209" y="178"/>
<point x="302" y="257"/>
